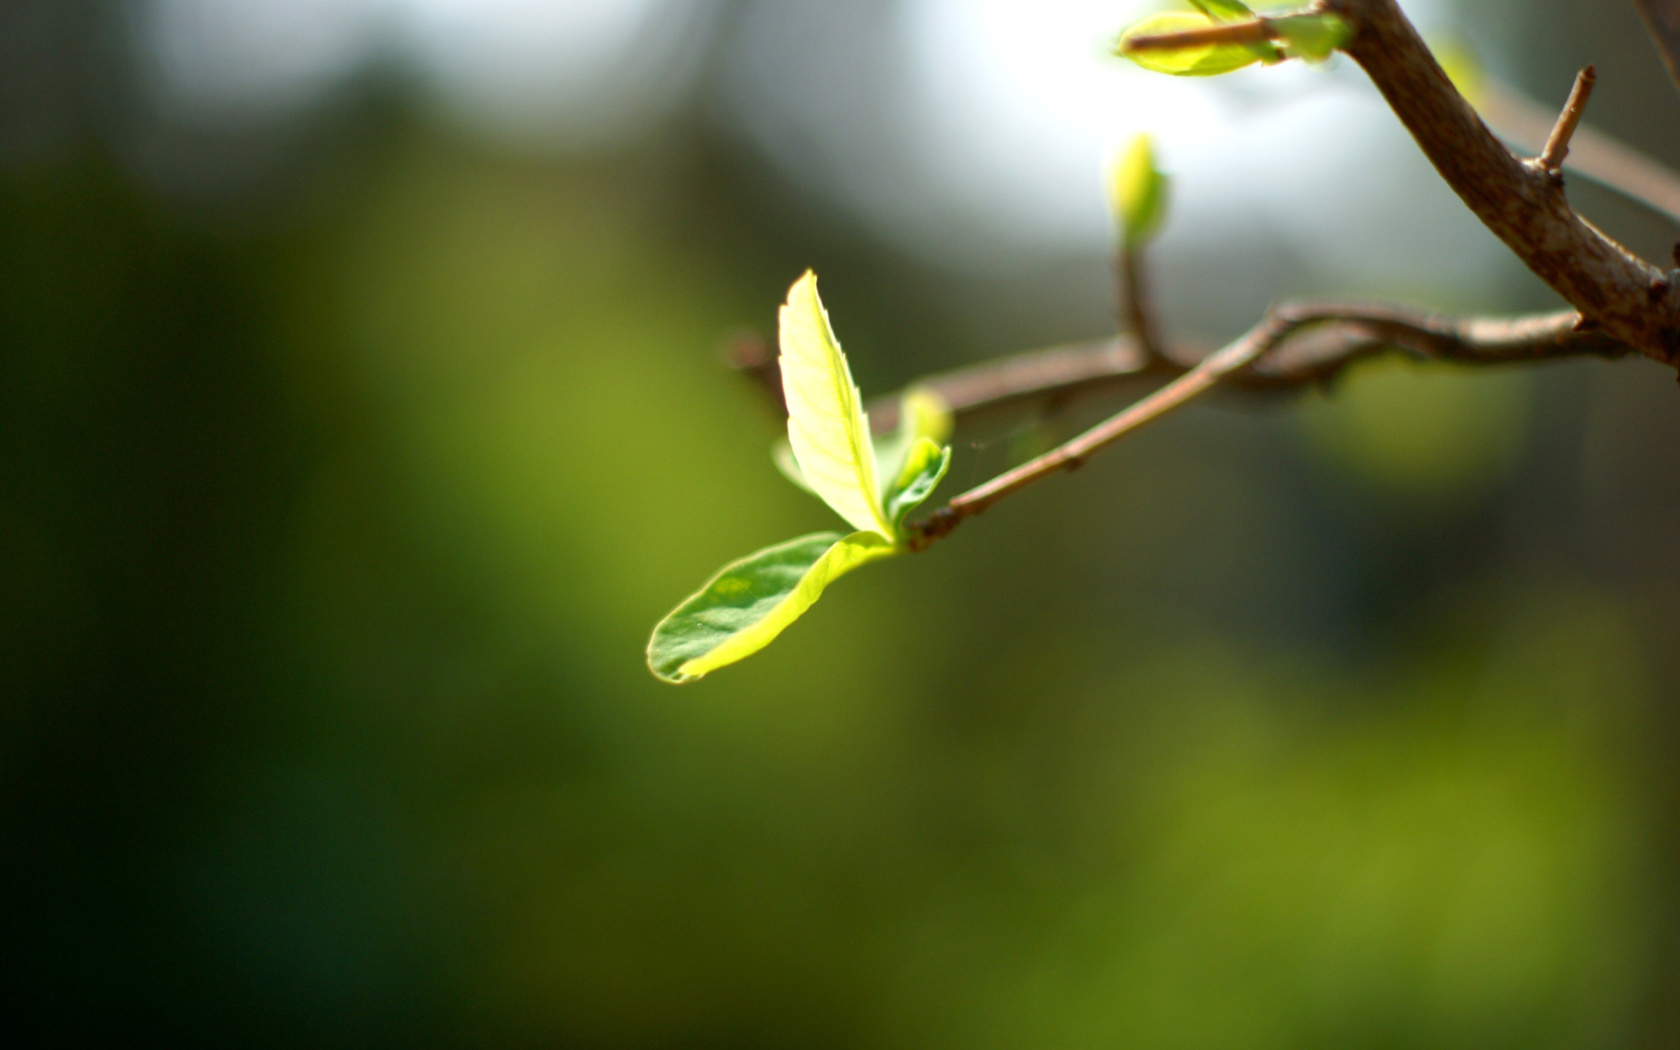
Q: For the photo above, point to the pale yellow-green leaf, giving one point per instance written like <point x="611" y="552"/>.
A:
<point x="1209" y="60"/>
<point x="1236" y="11"/>
<point x="827" y="429"/>
<point x="924" y="467"/>
<point x="749" y="602"/>
<point x="922" y="413"/>
<point x="781" y="454"/>
<point x="1224" y="10"/>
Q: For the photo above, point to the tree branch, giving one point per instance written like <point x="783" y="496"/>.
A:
<point x="1519" y="202"/>
<point x="1621" y="303"/>
<point x="1350" y="332"/>
<point x="1331" y="337"/>
<point x="1072" y="454"/>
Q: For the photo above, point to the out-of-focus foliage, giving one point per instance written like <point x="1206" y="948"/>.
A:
<point x="335" y="516"/>
<point x="1138" y="192"/>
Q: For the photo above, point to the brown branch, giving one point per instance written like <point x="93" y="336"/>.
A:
<point x="1331" y="336"/>
<point x="1069" y="368"/>
<point x="1073" y="453"/>
<point x="1557" y="144"/>
<point x="1357" y="332"/>
<point x="1522" y="205"/>
<point x="1314" y="356"/>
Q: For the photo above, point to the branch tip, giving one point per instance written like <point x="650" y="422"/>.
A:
<point x="1557" y="145"/>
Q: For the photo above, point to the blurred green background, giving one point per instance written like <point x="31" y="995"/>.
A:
<point x="359" y="417"/>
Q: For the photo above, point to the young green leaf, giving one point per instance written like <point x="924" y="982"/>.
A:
<point x="749" y="602"/>
<point x="1138" y="192"/>
<point x="922" y="413"/>
<point x="923" y="469"/>
<point x="1312" y="37"/>
<point x="1224" y="10"/>
<point x="826" y="425"/>
<point x="1227" y="11"/>
<point x="1204" y="60"/>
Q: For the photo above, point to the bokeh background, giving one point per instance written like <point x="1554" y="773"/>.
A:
<point x="361" y="410"/>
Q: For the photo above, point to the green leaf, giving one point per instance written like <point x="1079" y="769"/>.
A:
<point x="922" y="413"/>
<point x="923" y="469"/>
<point x="1227" y="11"/>
<point x="781" y="454"/>
<point x="826" y="425"/>
<point x="1224" y="10"/>
<point x="749" y="602"/>
<point x="1138" y="192"/>
<point x="1312" y="37"/>
<point x="1209" y="60"/>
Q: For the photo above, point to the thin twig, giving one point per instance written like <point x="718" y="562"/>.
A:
<point x="1354" y="332"/>
<point x="750" y="354"/>
<point x="1068" y="368"/>
<point x="1557" y="144"/>
<point x="1351" y="332"/>
<point x="1526" y="124"/>
<point x="1135" y="312"/>
<point x="1255" y="32"/>
<point x="1073" y="453"/>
